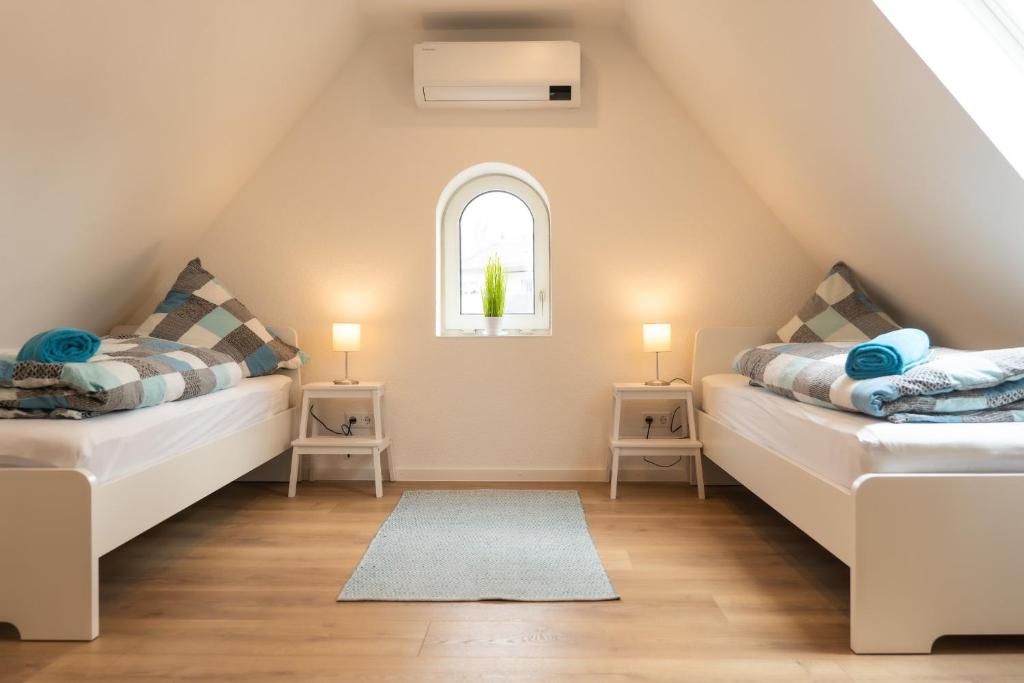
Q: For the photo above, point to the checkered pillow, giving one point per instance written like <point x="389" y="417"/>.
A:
<point x="839" y="311"/>
<point x="199" y="311"/>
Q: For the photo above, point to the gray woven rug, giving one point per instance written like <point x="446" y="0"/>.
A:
<point x="482" y="545"/>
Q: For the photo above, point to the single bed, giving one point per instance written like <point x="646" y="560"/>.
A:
<point x="72" y="491"/>
<point x="842" y="447"/>
<point x="927" y="516"/>
<point x="122" y="443"/>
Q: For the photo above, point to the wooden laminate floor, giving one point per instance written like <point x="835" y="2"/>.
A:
<point x="241" y="587"/>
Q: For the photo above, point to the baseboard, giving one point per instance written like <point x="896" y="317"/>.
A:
<point x="277" y="470"/>
<point x="333" y="472"/>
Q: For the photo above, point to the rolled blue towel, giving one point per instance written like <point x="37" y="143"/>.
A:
<point x="892" y="353"/>
<point x="60" y="345"/>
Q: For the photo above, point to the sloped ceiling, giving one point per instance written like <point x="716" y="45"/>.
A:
<point x="847" y="135"/>
<point x="127" y="126"/>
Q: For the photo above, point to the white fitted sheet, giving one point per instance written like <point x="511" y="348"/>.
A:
<point x="842" y="446"/>
<point x="110" y="446"/>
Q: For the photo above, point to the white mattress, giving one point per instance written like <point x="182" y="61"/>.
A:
<point x="113" y="445"/>
<point x="842" y="446"/>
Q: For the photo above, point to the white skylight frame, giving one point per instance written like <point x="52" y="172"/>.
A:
<point x="976" y="49"/>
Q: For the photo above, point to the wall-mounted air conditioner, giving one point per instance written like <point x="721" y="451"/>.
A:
<point x="507" y="75"/>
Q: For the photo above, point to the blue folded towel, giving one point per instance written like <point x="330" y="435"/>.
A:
<point x="892" y="353"/>
<point x="61" y="345"/>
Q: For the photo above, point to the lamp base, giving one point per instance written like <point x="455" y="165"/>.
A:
<point x="346" y="381"/>
<point x="656" y="383"/>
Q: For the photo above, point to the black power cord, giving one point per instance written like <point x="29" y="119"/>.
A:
<point x="346" y="429"/>
<point x="672" y="420"/>
<point x="671" y="464"/>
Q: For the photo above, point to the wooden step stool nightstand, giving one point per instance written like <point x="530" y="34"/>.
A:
<point x="636" y="447"/>
<point x="373" y="445"/>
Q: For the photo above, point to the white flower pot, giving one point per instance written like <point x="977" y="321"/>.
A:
<point x="492" y="326"/>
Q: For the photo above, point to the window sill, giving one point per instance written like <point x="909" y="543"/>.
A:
<point x="466" y="334"/>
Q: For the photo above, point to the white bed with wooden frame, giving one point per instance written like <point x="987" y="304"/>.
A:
<point x="55" y="522"/>
<point x="929" y="554"/>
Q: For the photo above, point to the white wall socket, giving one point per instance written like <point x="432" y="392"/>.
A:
<point x="660" y="420"/>
<point x="363" y="420"/>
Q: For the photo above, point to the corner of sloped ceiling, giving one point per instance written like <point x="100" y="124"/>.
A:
<point x="336" y="37"/>
<point x="847" y="135"/>
<point x="127" y="127"/>
<point x="641" y="27"/>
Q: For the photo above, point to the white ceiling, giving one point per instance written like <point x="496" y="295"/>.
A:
<point x="135" y="123"/>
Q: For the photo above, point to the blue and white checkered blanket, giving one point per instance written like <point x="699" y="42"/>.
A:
<point x="126" y="373"/>
<point x="952" y="386"/>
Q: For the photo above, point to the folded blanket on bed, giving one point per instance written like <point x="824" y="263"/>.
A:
<point x="60" y="345"/>
<point x="892" y="353"/>
<point x="126" y="373"/>
<point x="951" y="386"/>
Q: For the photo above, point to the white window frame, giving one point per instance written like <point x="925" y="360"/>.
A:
<point x="451" y="321"/>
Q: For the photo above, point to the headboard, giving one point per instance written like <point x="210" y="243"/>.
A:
<point x="715" y="348"/>
<point x="286" y="334"/>
<point x="289" y="336"/>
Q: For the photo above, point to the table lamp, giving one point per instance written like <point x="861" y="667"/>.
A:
<point x="346" y="338"/>
<point x="657" y="338"/>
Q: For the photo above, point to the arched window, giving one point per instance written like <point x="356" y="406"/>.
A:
<point x="494" y="210"/>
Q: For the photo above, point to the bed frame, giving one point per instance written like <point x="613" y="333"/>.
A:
<point x="55" y="523"/>
<point x="929" y="554"/>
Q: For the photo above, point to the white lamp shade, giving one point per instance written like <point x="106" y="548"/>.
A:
<point x="657" y="337"/>
<point x="346" y="336"/>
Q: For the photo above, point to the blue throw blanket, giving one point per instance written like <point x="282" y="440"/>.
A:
<point x="60" y="345"/>
<point x="892" y="353"/>
<point x="951" y="386"/>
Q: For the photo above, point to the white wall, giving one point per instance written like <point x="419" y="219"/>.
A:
<point x="649" y="222"/>
<point x="125" y="127"/>
<point x="852" y="141"/>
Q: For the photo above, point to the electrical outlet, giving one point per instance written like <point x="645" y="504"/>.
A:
<point x="658" y="420"/>
<point x="363" y="420"/>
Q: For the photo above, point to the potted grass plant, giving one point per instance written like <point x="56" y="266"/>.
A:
<point x="493" y="294"/>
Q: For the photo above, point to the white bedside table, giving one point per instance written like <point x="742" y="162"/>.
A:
<point x="374" y="445"/>
<point x="636" y="447"/>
